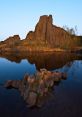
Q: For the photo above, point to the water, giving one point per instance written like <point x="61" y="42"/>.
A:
<point x="67" y="101"/>
<point x="12" y="70"/>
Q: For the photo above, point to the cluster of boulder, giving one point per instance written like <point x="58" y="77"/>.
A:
<point x="34" y="88"/>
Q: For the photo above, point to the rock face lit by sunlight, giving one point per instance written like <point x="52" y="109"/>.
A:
<point x="46" y="37"/>
<point x="40" y="58"/>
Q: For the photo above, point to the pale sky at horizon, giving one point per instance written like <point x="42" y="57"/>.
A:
<point x="21" y="16"/>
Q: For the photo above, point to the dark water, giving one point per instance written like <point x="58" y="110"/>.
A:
<point x="67" y="101"/>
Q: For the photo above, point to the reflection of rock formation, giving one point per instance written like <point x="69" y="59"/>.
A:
<point x="49" y="61"/>
<point x="37" y="87"/>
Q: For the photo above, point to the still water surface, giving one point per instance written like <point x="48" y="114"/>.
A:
<point x="67" y="101"/>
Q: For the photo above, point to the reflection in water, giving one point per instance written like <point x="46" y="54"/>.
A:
<point x="49" y="61"/>
<point x="11" y="70"/>
<point x="73" y="70"/>
<point x="67" y="101"/>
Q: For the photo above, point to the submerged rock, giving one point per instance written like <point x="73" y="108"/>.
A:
<point x="35" y="88"/>
<point x="31" y="99"/>
<point x="13" y="84"/>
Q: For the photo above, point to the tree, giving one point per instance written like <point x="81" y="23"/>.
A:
<point x="72" y="31"/>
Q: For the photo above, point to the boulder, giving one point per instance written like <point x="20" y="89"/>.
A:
<point x="32" y="98"/>
<point x="12" y="84"/>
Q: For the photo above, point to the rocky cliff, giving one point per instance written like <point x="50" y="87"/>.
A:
<point x="46" y="36"/>
<point x="47" y="33"/>
<point x="10" y="43"/>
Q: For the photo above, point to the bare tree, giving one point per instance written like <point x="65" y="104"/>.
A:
<point x="72" y="31"/>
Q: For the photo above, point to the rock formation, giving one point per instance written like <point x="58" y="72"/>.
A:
<point x="49" y="35"/>
<point x="46" y="37"/>
<point x="35" y="88"/>
<point x="12" y="40"/>
<point x="10" y="43"/>
<point x="42" y="29"/>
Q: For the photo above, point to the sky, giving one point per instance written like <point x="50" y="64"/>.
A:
<point x="21" y="16"/>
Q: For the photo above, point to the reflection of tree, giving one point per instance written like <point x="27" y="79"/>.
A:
<point x="49" y="61"/>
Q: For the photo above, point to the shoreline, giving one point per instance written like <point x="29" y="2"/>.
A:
<point x="77" y="50"/>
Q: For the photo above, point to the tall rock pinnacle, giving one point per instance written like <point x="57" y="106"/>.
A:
<point x="46" y="32"/>
<point x="42" y="28"/>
